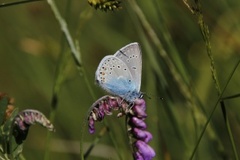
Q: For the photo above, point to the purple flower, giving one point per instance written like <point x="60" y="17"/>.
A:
<point x="144" y="151"/>
<point x="28" y="117"/>
<point x="139" y="108"/>
<point x="25" y="119"/>
<point x="136" y="115"/>
<point x="142" y="135"/>
<point x="138" y="127"/>
<point x="91" y="128"/>
<point x="103" y="106"/>
<point x="136" y="122"/>
<point x="138" y="156"/>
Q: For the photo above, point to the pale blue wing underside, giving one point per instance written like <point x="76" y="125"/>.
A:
<point x="120" y="74"/>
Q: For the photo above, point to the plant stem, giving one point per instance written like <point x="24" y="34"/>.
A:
<point x="17" y="3"/>
<point x="76" y="56"/>
<point x="213" y="110"/>
<point x="229" y="129"/>
<point x="197" y="10"/>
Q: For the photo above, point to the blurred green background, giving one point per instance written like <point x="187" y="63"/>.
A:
<point x="31" y="46"/>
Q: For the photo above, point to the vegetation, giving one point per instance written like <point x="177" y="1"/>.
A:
<point x="49" y="52"/>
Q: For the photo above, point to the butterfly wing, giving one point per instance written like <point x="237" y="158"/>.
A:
<point x="114" y="76"/>
<point x="131" y="55"/>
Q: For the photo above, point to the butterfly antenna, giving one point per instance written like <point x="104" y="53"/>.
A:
<point x="150" y="97"/>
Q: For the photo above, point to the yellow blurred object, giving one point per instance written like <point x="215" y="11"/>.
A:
<point x="105" y="4"/>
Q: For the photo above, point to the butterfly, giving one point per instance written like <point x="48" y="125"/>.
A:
<point x="120" y="74"/>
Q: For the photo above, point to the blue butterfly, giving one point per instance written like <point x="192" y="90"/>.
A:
<point x="120" y="74"/>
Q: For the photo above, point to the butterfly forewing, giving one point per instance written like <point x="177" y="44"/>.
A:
<point x="131" y="55"/>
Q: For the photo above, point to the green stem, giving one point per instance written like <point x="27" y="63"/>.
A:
<point x="59" y="78"/>
<point x="230" y="97"/>
<point x="229" y="129"/>
<point x="16" y="3"/>
<point x="184" y="89"/>
<point x="114" y="142"/>
<point x="21" y="157"/>
<point x="63" y="25"/>
<point x="49" y="136"/>
<point x="97" y="139"/>
<point x="206" y="37"/>
<point x="211" y="114"/>
<point x="76" y="55"/>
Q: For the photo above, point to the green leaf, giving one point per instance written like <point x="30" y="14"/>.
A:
<point x="6" y="132"/>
